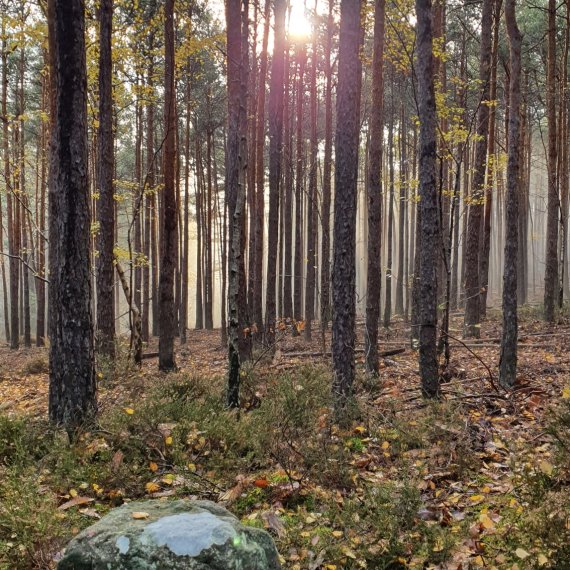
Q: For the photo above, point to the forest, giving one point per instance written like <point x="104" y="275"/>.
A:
<point x="284" y="284"/>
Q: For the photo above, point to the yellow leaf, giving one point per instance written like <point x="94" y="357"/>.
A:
<point x="337" y="533"/>
<point x="566" y="393"/>
<point x="129" y="411"/>
<point x="486" y="521"/>
<point x="478" y="561"/>
<point x="348" y="552"/>
<point x="360" y="429"/>
<point x="168" y="440"/>
<point x="522" y="553"/>
<point x="72" y="493"/>
<point x="438" y="547"/>
<point x="546" y="467"/>
<point x="152" y="487"/>
<point x="192" y="467"/>
<point x="476" y="498"/>
<point x="542" y="560"/>
<point x="138" y="515"/>
<point x="153" y="466"/>
<point x="386" y="445"/>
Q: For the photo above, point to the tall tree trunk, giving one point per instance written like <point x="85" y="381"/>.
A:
<point x="390" y="221"/>
<point x="72" y="390"/>
<point x="491" y="165"/>
<point x="260" y="174"/>
<point x="208" y="281"/>
<point x="508" y="361"/>
<point x="312" y="197"/>
<point x="551" y="284"/>
<point x="429" y="236"/>
<point x="374" y="273"/>
<point x="301" y="55"/>
<point x="169" y="216"/>
<point x="472" y="326"/>
<point x="288" y="115"/>
<point x="186" y="228"/>
<point x="235" y="194"/>
<point x="346" y="172"/>
<point x="106" y="206"/>
<point x="13" y="252"/>
<point x="399" y="308"/>
<point x="275" y="150"/>
<point x="327" y="176"/>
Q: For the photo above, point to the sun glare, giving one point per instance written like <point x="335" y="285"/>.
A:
<point x="299" y="22"/>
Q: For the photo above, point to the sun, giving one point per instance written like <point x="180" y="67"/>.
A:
<point x="300" y="27"/>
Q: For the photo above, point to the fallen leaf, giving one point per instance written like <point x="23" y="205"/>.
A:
<point x="272" y="521"/>
<point x="139" y="515"/>
<point x="546" y="467"/>
<point x="152" y="487"/>
<point x="74" y="502"/>
<point x="522" y="553"/>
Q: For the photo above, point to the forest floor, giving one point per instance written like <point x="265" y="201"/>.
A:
<point x="477" y="480"/>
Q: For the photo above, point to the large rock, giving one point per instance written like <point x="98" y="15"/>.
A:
<point x="181" y="535"/>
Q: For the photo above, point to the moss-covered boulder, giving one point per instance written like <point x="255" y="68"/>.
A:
<point x="164" y="535"/>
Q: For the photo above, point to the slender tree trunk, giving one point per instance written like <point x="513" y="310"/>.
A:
<point x="551" y="284"/>
<point x="260" y="174"/>
<point x="235" y="193"/>
<point x="508" y="361"/>
<point x="390" y="221"/>
<point x="298" y="263"/>
<point x="429" y="236"/>
<point x="312" y="197"/>
<point x="491" y="165"/>
<point x="288" y="116"/>
<point x="327" y="176"/>
<point x="208" y="281"/>
<point x="11" y="210"/>
<point x="374" y="273"/>
<point x="399" y="308"/>
<point x="72" y="390"/>
<point x="186" y="228"/>
<point x="472" y="326"/>
<point x="106" y="206"/>
<point x="275" y="149"/>
<point x="346" y="172"/>
<point x="169" y="216"/>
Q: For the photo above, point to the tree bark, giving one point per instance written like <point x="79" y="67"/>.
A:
<point x="275" y="150"/>
<point x="374" y="273"/>
<point x="508" y="360"/>
<point x="235" y="195"/>
<point x="472" y="326"/>
<point x="346" y="171"/>
<point x="551" y="284"/>
<point x="312" y="196"/>
<point x="72" y="390"/>
<point x="327" y="176"/>
<point x="106" y="205"/>
<point x="429" y="235"/>
<point x="169" y="216"/>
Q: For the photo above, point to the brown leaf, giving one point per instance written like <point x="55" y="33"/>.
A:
<point x="74" y="502"/>
<point x="117" y="460"/>
<point x="272" y="521"/>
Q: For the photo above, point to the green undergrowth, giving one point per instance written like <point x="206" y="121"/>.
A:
<point x="392" y="490"/>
